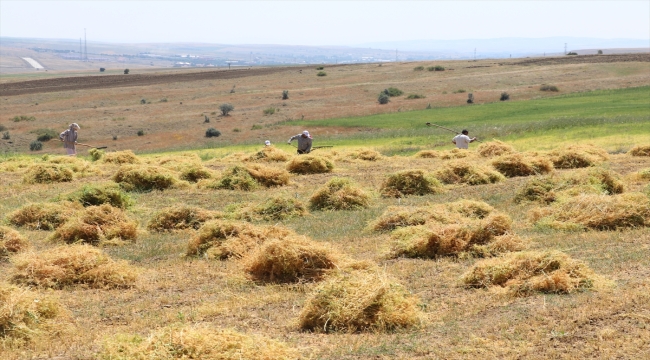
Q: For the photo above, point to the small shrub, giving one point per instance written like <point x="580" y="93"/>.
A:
<point x="600" y="52"/>
<point x="504" y="96"/>
<point x="339" y="194"/>
<point x="47" y="173"/>
<point x="95" y="154"/>
<point x="43" y="216"/>
<point x="11" y="242"/>
<point x="321" y="73"/>
<point x="494" y="148"/>
<point x="140" y="132"/>
<point x="94" y="195"/>
<point x="383" y="99"/>
<point x="2" y="127"/>
<point x="359" y="301"/>
<point x="470" y="98"/>
<point x="320" y="68"/>
<point x="512" y="165"/>
<point x="45" y="134"/>
<point x="35" y="145"/>
<point x="459" y="91"/>
<point x="121" y="157"/>
<point x="549" y="88"/>
<point x="126" y="71"/>
<point x="640" y="150"/>
<point x="236" y="130"/>
<point x="6" y="136"/>
<point x="269" y="111"/>
<point x="23" y="118"/>
<point x="179" y="218"/>
<point x="309" y="164"/>
<point x="285" y="94"/>
<point x="163" y="100"/>
<point x="226" y="108"/>
<point x="410" y="182"/>
<point x="527" y="272"/>
<point x="418" y="68"/>
<point x="290" y="260"/>
<point x="72" y="265"/>
<point x="257" y="127"/>
<point x="212" y="132"/>
<point x="102" y="69"/>
<point x="572" y="53"/>
<point x="436" y="68"/>
<point x="464" y="172"/>
<point x="97" y="224"/>
<point x="415" y="96"/>
<point x="143" y="101"/>
<point x="144" y="178"/>
<point x="391" y="91"/>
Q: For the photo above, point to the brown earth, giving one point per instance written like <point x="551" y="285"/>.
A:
<point x="584" y="59"/>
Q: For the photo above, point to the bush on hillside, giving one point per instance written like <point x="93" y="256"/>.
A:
<point x="35" y="145"/>
<point x="383" y="99"/>
<point x="226" y="108"/>
<point x="549" y="88"/>
<point x="212" y="132"/>
<point x="392" y="92"/>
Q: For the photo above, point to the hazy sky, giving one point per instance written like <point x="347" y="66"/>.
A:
<point x="321" y="22"/>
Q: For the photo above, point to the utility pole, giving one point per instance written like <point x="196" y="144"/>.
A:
<point x="474" y="53"/>
<point x="395" y="55"/>
<point x="81" y="54"/>
<point x="85" y="46"/>
<point x="564" y="48"/>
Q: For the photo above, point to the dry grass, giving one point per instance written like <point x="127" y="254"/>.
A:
<point x="234" y="178"/>
<point x="144" y="178"/>
<point x="11" y="242"/>
<point x="309" y="164"/>
<point x="528" y="272"/>
<point x="270" y="154"/>
<point x="465" y="172"/>
<point x="180" y="218"/>
<point x="362" y="154"/>
<point x="548" y="189"/>
<point x="521" y="165"/>
<point x="494" y="148"/>
<point x="456" y="154"/>
<point x="280" y="207"/>
<point x="358" y="301"/>
<point x="339" y="194"/>
<point x="97" y="225"/>
<point x="94" y="195"/>
<point x="26" y="315"/>
<point x="268" y="176"/>
<point x="640" y="150"/>
<point x="121" y="157"/>
<point x="222" y="239"/>
<point x="43" y="216"/>
<point x="48" y="173"/>
<point x="194" y="342"/>
<point x="410" y="182"/>
<point x="290" y="260"/>
<point x="195" y="172"/>
<point x="428" y="154"/>
<point x="77" y="165"/>
<point x="574" y="157"/>
<point x="72" y="265"/>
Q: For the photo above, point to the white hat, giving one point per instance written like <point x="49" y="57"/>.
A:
<point x="267" y="142"/>
<point x="75" y="125"/>
<point x="306" y="133"/>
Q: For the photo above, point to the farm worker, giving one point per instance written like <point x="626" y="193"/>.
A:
<point x="69" y="138"/>
<point x="462" y="140"/>
<point x="267" y="143"/>
<point x="304" y="142"/>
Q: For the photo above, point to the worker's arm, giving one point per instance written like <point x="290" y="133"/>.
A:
<point x="472" y="139"/>
<point x="293" y="138"/>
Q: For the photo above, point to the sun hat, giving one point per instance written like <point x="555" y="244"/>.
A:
<point x="267" y="142"/>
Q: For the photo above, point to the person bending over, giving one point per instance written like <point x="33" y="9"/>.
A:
<point x="304" y="142"/>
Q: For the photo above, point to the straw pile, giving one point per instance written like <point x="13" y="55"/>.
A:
<point x="520" y="165"/>
<point x="195" y="172"/>
<point x="26" y="314"/>
<point x="97" y="224"/>
<point x="72" y="265"/>
<point x="222" y="239"/>
<point x="94" y="195"/>
<point x="193" y="342"/>
<point x="144" y="178"/>
<point x="410" y="182"/>
<point x="11" y="242"/>
<point x="121" y="157"/>
<point x="549" y="188"/>
<point x="339" y="194"/>
<point x="77" y="165"/>
<point x="643" y="174"/>
<point x="363" y="154"/>
<point x="494" y="148"/>
<point x="270" y="154"/>
<point x="527" y="272"/>
<point x="268" y="176"/>
<point x="177" y="161"/>
<point x="428" y="154"/>
<point x="309" y="164"/>
<point x="573" y="157"/>
<point x="47" y="173"/>
<point x="289" y="260"/>
<point x="359" y="301"/>
<point x="640" y="150"/>
<point x="43" y="216"/>
<point x="179" y="218"/>
<point x="599" y="212"/>
<point x="280" y="207"/>
<point x="456" y="154"/>
<point x="464" y="172"/>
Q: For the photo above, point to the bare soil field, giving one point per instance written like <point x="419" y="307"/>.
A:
<point x="586" y="59"/>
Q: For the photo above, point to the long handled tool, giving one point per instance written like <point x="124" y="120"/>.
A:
<point x="91" y="146"/>
<point x="442" y="127"/>
<point x="315" y="147"/>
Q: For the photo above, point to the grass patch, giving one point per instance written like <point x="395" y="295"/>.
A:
<point x="280" y="207"/>
<point x="415" y="96"/>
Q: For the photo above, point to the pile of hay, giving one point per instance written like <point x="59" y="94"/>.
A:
<point x="527" y="272"/>
<point x="193" y="342"/>
<point x="410" y="182"/>
<point x="144" y="178"/>
<point x="549" y="188"/>
<point x="643" y="174"/>
<point x="428" y="154"/>
<point x="72" y="265"/>
<point x="573" y="157"/>
<point x="234" y="178"/>
<point x="456" y="154"/>
<point x="268" y="176"/>
<point x="177" y="161"/>
<point x="433" y="240"/>
<point x="43" y="216"/>
<point x="400" y="216"/>
<point x="363" y="154"/>
<point x="222" y="239"/>
<point x="11" y="242"/>
<point x="77" y="165"/>
<point x="195" y="172"/>
<point x="359" y="301"/>
<point x="25" y="314"/>
<point x="464" y="172"/>
<point x="95" y="154"/>
<point x="640" y="150"/>
<point x="97" y="224"/>
<point x="121" y="157"/>
<point x="94" y="195"/>
<point x="309" y="164"/>
<point x="599" y="212"/>
<point x="521" y="165"/>
<point x="270" y="154"/>
<point x="179" y="218"/>
<point x="494" y="148"/>
<point x="339" y="194"/>
<point x="293" y="259"/>
<point x="47" y="173"/>
<point x="280" y="207"/>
